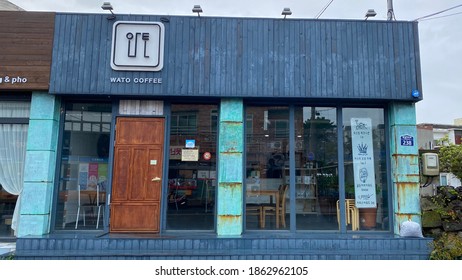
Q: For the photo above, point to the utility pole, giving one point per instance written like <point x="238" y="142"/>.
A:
<point x="390" y="12"/>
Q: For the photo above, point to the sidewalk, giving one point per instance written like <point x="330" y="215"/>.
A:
<point x="6" y="248"/>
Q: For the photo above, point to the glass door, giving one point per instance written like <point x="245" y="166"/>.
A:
<point x="192" y="167"/>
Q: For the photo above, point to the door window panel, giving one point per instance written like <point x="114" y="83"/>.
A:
<point x="192" y="181"/>
<point x="84" y="166"/>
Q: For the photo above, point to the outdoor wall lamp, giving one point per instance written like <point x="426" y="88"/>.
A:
<point x="286" y="12"/>
<point x="197" y="9"/>
<point x="108" y="7"/>
<point x="370" y="13"/>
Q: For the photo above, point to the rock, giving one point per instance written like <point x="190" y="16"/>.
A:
<point x="448" y="192"/>
<point x="431" y="219"/>
<point x="452" y="225"/>
<point x="435" y="232"/>
<point x="455" y="204"/>
<point x="426" y="203"/>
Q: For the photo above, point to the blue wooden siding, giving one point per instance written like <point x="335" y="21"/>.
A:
<point x="246" y="57"/>
<point x="203" y="247"/>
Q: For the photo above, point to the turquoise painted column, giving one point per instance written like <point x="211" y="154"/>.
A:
<point x="405" y="164"/>
<point x="39" y="171"/>
<point x="230" y="168"/>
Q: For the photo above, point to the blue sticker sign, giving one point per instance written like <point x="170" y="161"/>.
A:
<point x="310" y="156"/>
<point x="407" y="140"/>
<point x="190" y="143"/>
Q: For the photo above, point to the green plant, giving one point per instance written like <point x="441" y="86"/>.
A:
<point x="447" y="247"/>
<point x="442" y="202"/>
<point x="7" y="257"/>
<point x="350" y="190"/>
<point x="450" y="157"/>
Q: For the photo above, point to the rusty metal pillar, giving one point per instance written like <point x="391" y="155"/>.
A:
<point x="404" y="164"/>
<point x="230" y="168"/>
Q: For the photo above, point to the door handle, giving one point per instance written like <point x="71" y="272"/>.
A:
<point x="155" y="179"/>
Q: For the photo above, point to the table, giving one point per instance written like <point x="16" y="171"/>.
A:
<point x="269" y="193"/>
<point x="93" y="197"/>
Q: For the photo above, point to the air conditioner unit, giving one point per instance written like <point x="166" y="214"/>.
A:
<point x="276" y="145"/>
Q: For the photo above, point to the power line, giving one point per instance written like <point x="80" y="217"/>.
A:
<point x="442" y="16"/>
<point x="437" y="13"/>
<point x="324" y="9"/>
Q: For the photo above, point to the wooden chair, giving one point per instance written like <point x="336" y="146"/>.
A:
<point x="352" y="214"/>
<point x="254" y="210"/>
<point x="270" y="209"/>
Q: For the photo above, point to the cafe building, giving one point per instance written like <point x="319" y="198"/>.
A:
<point x="216" y="137"/>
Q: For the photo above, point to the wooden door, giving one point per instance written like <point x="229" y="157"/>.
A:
<point x="137" y="176"/>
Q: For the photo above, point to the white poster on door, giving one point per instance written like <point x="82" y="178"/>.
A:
<point x="363" y="162"/>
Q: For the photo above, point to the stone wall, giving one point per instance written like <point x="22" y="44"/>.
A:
<point x="442" y="212"/>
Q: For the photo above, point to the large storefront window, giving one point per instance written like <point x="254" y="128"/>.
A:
<point x="308" y="186"/>
<point x="267" y="167"/>
<point x="84" y="166"/>
<point x="366" y="187"/>
<point x="14" y="118"/>
<point x="192" y="167"/>
<point x="314" y="180"/>
<point x="316" y="168"/>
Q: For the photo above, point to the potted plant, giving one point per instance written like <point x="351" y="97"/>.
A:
<point x="328" y="192"/>
<point x="350" y="191"/>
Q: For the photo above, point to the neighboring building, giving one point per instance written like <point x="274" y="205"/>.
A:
<point x="25" y="62"/>
<point x="8" y="200"/>
<point x="269" y="132"/>
<point x="431" y="134"/>
<point x="430" y="137"/>
<point x="8" y="6"/>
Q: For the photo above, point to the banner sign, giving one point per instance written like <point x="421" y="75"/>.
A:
<point x="363" y="162"/>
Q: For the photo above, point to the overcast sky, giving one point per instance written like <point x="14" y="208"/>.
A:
<point x="440" y="36"/>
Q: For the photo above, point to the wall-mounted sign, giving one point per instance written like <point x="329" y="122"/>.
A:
<point x="190" y="155"/>
<point x="190" y="143"/>
<point x="6" y="79"/>
<point x="136" y="80"/>
<point x="26" y="41"/>
<point x="137" y="46"/>
<point x="363" y="162"/>
<point x="407" y="140"/>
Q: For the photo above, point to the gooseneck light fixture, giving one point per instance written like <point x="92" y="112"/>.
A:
<point x="370" y="13"/>
<point x="197" y="9"/>
<point x="286" y="12"/>
<point x="108" y="7"/>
